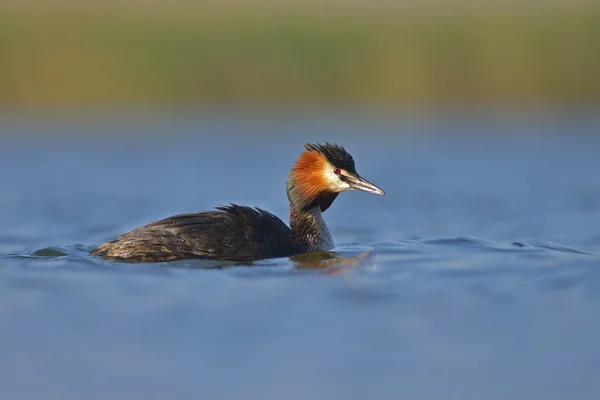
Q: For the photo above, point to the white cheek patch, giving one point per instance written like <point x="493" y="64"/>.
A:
<point x="334" y="183"/>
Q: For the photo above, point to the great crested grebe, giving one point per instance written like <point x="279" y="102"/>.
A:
<point x="240" y="233"/>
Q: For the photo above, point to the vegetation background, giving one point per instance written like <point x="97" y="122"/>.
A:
<point x="81" y="54"/>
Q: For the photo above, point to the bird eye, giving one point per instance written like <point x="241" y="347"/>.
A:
<point x="337" y="171"/>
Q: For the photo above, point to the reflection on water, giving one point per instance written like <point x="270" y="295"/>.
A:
<point x="476" y="276"/>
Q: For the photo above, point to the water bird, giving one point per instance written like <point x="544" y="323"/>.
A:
<point x="242" y="233"/>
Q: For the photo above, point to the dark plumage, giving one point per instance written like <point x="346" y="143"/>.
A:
<point x="233" y="232"/>
<point x="335" y="154"/>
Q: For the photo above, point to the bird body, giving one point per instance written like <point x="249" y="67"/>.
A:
<point x="241" y="233"/>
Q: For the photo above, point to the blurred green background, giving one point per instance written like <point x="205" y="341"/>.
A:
<point x="90" y="54"/>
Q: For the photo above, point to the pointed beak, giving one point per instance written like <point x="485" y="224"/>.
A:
<point x="359" y="183"/>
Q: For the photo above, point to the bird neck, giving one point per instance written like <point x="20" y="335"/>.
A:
<point x="309" y="229"/>
<point x="306" y="215"/>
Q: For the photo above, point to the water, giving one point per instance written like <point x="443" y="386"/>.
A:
<point x="477" y="275"/>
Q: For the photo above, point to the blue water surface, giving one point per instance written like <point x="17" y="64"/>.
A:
<point x="477" y="275"/>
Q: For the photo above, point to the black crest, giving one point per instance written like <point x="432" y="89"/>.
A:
<point x="335" y="154"/>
